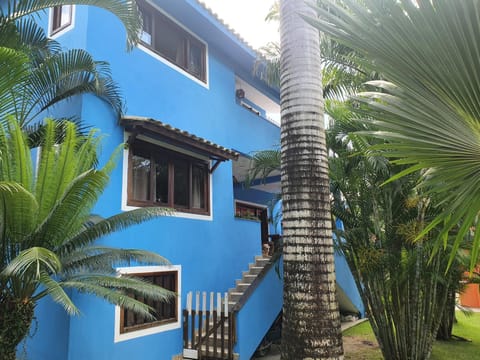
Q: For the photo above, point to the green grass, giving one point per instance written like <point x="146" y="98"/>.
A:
<point x="362" y="329"/>
<point x="467" y="327"/>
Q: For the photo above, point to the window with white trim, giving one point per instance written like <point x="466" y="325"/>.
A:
<point x="129" y="325"/>
<point x="165" y="311"/>
<point x="61" y="18"/>
<point x="162" y="177"/>
<point x="172" y="42"/>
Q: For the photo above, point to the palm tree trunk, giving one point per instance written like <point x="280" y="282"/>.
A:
<point x="311" y="321"/>
<point x="15" y="319"/>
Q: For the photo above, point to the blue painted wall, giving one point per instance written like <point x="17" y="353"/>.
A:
<point x="49" y="333"/>
<point x="258" y="313"/>
<point x="212" y="253"/>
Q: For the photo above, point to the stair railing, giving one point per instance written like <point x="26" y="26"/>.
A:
<point x="204" y="328"/>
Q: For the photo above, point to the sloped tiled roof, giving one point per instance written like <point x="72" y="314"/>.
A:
<point x="149" y="126"/>
<point x="229" y="28"/>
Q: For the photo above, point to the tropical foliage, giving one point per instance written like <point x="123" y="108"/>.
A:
<point x="47" y="232"/>
<point x="429" y="109"/>
<point x="343" y="73"/>
<point x="404" y="288"/>
<point x="46" y="229"/>
<point x="35" y="73"/>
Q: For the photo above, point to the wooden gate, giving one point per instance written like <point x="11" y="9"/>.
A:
<point x="208" y="332"/>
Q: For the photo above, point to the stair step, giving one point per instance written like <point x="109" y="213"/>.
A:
<point x="248" y="278"/>
<point x="231" y="304"/>
<point x="235" y="296"/>
<point x="241" y="287"/>
<point x="193" y="354"/>
<point x="260" y="260"/>
<point x="255" y="269"/>
<point x="219" y="350"/>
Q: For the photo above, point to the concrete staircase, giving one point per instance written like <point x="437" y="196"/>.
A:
<point x="236" y="298"/>
<point x="243" y="286"/>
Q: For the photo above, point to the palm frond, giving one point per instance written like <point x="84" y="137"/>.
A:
<point x="267" y="66"/>
<point x="16" y="155"/>
<point x="13" y="71"/>
<point x="126" y="10"/>
<point x="113" y="289"/>
<point x="31" y="38"/>
<point x="55" y="290"/>
<point x="34" y="261"/>
<point x="63" y="216"/>
<point x="63" y="75"/>
<point x="263" y="163"/>
<point x="36" y="132"/>
<point x="104" y="259"/>
<point x="131" y="283"/>
<point x="110" y="225"/>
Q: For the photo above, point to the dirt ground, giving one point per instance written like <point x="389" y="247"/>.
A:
<point x="354" y="345"/>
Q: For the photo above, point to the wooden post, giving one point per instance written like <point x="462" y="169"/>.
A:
<point x="207" y="322"/>
<point x="189" y="313"/>
<point x="230" y="336"/>
<point x="200" y="326"/>
<point x="185" y="329"/>
<point x="222" y="333"/>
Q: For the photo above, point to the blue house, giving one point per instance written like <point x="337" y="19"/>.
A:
<point x="194" y="114"/>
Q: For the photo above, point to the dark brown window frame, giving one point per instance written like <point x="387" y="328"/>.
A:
<point x="157" y="152"/>
<point x="56" y="25"/>
<point x="255" y="210"/>
<point x="150" y="324"/>
<point x="154" y="17"/>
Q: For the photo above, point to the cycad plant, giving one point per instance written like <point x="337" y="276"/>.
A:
<point x="47" y="232"/>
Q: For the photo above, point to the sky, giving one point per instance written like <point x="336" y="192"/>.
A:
<point x="247" y="17"/>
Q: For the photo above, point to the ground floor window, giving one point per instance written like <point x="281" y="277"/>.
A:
<point x="249" y="211"/>
<point x="167" y="314"/>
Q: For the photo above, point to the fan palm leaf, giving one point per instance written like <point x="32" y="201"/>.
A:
<point x="430" y="107"/>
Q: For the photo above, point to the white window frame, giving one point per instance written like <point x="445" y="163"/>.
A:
<point x="172" y="65"/>
<point x="65" y="29"/>
<point x="179" y="214"/>
<point x="118" y="337"/>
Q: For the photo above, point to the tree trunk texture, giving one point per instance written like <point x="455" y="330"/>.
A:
<point x="445" y="331"/>
<point x="15" y="319"/>
<point x="311" y="320"/>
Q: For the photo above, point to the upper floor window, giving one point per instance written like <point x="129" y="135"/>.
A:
<point x="61" y="18"/>
<point x="163" y="36"/>
<point x="162" y="177"/>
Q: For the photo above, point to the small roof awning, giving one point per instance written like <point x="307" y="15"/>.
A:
<point x="158" y="130"/>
